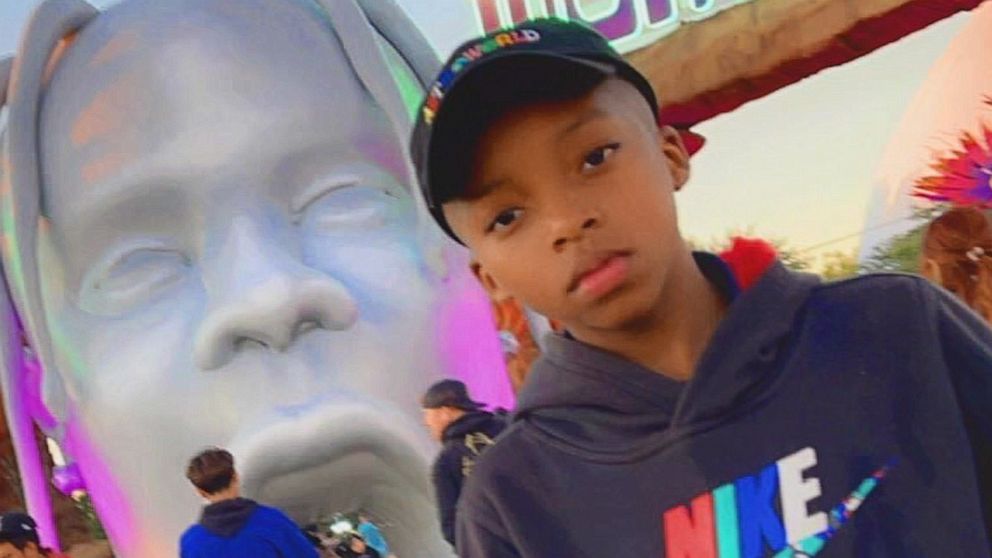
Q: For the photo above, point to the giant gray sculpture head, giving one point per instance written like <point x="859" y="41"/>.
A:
<point x="211" y="239"/>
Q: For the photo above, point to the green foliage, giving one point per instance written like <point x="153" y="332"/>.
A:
<point x="790" y="256"/>
<point x="902" y="252"/>
<point x="85" y="506"/>
<point x="838" y="265"/>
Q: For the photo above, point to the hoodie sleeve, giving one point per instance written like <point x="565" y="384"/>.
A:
<point x="966" y="343"/>
<point x="294" y="544"/>
<point x="447" y="486"/>
<point x="186" y="545"/>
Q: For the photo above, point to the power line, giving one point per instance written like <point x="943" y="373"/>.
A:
<point x="854" y="234"/>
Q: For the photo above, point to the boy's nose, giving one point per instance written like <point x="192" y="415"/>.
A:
<point x="571" y="229"/>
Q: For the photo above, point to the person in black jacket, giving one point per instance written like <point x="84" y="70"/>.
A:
<point x="465" y="431"/>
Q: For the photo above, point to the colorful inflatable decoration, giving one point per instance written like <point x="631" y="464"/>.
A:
<point x="518" y="331"/>
<point x="940" y="151"/>
<point x="963" y="175"/>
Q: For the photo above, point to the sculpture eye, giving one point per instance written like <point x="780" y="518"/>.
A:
<point x="135" y="276"/>
<point x="347" y="207"/>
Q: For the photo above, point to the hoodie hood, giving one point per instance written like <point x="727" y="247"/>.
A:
<point x="584" y="397"/>
<point x="227" y="517"/>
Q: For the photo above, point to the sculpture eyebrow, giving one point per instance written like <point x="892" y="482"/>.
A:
<point x="105" y="208"/>
<point x="320" y="187"/>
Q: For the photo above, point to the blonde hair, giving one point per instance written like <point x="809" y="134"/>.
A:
<point x="959" y="244"/>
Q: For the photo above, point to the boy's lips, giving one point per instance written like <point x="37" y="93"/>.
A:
<point x="601" y="273"/>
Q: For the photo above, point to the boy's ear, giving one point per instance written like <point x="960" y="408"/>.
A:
<point x="489" y="283"/>
<point x="673" y="148"/>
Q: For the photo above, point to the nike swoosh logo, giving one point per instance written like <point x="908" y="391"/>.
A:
<point x="839" y="516"/>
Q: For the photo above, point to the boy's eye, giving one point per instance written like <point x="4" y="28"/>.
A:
<point x="598" y="156"/>
<point x="504" y="219"/>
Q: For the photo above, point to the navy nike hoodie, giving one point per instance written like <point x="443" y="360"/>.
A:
<point x="835" y="420"/>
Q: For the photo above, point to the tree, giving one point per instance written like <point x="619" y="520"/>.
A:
<point x="791" y="257"/>
<point x="902" y="252"/>
<point x="838" y="265"/>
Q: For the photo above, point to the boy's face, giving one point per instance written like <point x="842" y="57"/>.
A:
<point x="570" y="208"/>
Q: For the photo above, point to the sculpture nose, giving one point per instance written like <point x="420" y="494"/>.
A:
<point x="262" y="296"/>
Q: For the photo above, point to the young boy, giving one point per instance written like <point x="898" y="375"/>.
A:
<point x="679" y="416"/>
<point x="232" y="526"/>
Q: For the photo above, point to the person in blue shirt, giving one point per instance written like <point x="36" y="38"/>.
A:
<point x="235" y="527"/>
<point x="372" y="535"/>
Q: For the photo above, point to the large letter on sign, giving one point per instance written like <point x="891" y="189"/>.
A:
<point x="662" y="12"/>
<point x="699" y="6"/>
<point x="497" y="14"/>
<point x="615" y="19"/>
<point x="691" y="535"/>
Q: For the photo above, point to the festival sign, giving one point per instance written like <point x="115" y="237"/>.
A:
<point x="629" y="24"/>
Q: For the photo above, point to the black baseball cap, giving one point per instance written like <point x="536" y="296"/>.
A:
<point x="17" y="526"/>
<point x="449" y="393"/>
<point x="539" y="60"/>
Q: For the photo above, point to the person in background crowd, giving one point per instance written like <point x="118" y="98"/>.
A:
<point x="311" y="533"/>
<point x="19" y="538"/>
<point x="957" y="254"/>
<point x="372" y="535"/>
<point x="355" y="546"/>
<point x="232" y="526"/>
<point x="465" y="430"/>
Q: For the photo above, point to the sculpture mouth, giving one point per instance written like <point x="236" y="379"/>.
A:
<point x="347" y="457"/>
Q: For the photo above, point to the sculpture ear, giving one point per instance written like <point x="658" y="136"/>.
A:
<point x="395" y="63"/>
<point x="21" y="84"/>
<point x="18" y="402"/>
<point x="397" y="29"/>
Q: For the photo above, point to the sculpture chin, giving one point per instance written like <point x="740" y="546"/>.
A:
<point x="345" y="457"/>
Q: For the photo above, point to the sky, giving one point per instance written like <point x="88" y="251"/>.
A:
<point x="796" y="165"/>
<point x="800" y="163"/>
